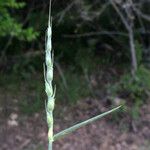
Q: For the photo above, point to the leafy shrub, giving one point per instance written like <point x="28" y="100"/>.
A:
<point x="9" y="24"/>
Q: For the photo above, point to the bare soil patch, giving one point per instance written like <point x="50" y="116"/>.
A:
<point x="20" y="132"/>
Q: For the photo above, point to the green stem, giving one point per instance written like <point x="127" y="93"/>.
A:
<point x="50" y="145"/>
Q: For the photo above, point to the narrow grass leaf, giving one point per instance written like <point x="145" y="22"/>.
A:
<point x="84" y="123"/>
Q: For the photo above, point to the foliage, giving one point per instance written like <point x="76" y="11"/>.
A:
<point x="25" y="89"/>
<point x="31" y="102"/>
<point x="94" y="34"/>
<point x="136" y="87"/>
<point x="139" y="53"/>
<point x="9" y="24"/>
<point x="75" y="89"/>
<point x="133" y="91"/>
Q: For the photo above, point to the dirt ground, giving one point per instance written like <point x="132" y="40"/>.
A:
<point x="22" y="132"/>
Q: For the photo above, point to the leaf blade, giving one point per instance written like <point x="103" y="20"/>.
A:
<point x="84" y="123"/>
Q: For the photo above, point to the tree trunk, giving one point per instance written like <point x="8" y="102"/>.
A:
<point x="133" y="52"/>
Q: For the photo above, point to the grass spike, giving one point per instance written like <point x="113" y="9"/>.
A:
<point x="48" y="77"/>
